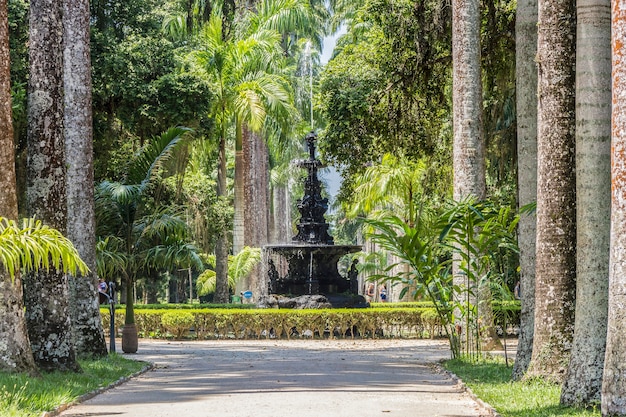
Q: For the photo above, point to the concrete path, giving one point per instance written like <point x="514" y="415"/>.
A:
<point x="279" y="378"/>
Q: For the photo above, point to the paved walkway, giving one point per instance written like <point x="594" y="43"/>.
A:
<point x="280" y="378"/>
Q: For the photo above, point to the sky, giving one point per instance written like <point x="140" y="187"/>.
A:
<point x="329" y="45"/>
<point x="330" y="174"/>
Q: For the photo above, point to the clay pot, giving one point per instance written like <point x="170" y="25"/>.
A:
<point x="130" y="340"/>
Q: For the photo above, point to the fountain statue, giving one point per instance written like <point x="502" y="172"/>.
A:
<point x="311" y="258"/>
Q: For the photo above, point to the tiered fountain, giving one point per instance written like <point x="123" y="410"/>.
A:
<point x="311" y="258"/>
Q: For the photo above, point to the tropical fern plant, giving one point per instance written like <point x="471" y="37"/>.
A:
<point x="32" y="246"/>
<point x="417" y="247"/>
<point x="239" y="266"/>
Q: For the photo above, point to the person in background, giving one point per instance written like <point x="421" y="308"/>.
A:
<point x="102" y="291"/>
<point x="369" y="292"/>
<point x="382" y="293"/>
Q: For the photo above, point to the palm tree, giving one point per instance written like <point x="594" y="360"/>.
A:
<point x="8" y="195"/>
<point x="418" y="251"/>
<point x="119" y="206"/>
<point x="294" y="21"/>
<point x="247" y="85"/>
<point x="163" y="245"/>
<point x="468" y="149"/>
<point x="239" y="266"/>
<point x="394" y="185"/>
<point x="27" y="248"/>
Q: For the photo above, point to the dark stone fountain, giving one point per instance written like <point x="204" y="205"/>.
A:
<point x="311" y="258"/>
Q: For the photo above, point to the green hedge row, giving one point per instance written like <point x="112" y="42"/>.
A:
<point x="282" y="323"/>
<point x="203" y="306"/>
<point x="418" y="320"/>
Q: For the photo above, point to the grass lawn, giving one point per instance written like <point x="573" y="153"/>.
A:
<point x="24" y="396"/>
<point x="491" y="381"/>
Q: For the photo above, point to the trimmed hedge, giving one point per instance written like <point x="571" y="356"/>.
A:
<point x="232" y="306"/>
<point x="415" y="320"/>
<point x="282" y="323"/>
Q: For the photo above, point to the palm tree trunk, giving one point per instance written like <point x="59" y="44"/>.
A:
<point x="555" y="290"/>
<point x="468" y="147"/>
<point x="222" y="245"/>
<point x="46" y="294"/>
<point x="239" y="225"/>
<point x="613" y="382"/>
<point x="8" y="192"/>
<point x="281" y="214"/>
<point x="468" y="144"/>
<point x="15" y="352"/>
<point x="81" y="225"/>
<point x="256" y="201"/>
<point x="526" y="88"/>
<point x="583" y="381"/>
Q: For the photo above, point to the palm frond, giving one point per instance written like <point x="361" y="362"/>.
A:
<point x="178" y="255"/>
<point x="34" y="246"/>
<point x="111" y="258"/>
<point x="244" y="262"/>
<point x="153" y="155"/>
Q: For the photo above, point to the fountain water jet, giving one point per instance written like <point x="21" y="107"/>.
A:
<point x="311" y="257"/>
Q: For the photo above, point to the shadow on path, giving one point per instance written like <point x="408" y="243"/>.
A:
<point x="342" y="378"/>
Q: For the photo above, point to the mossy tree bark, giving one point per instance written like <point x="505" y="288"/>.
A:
<point x="46" y="294"/>
<point x="81" y="220"/>
<point x="15" y="352"/>
<point x="583" y="381"/>
<point x="555" y="290"/>
<point x="526" y="94"/>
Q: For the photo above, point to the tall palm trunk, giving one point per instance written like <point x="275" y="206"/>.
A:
<point x="239" y="222"/>
<point x="256" y="200"/>
<point x="280" y="225"/>
<point x="222" y="244"/>
<point x="468" y="146"/>
<point x="613" y="382"/>
<point x="46" y="294"/>
<point x="526" y="88"/>
<point x="583" y="381"/>
<point x="81" y="225"/>
<point x="15" y="352"/>
<point x="555" y="289"/>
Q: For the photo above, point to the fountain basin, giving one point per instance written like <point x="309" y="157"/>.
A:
<point x="307" y="269"/>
